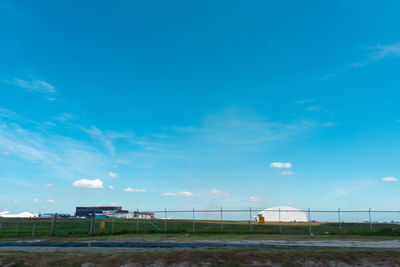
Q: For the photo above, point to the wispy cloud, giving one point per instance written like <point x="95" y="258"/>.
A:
<point x="254" y="199"/>
<point x="280" y="165"/>
<point x="181" y="194"/>
<point x="375" y="53"/>
<point x="219" y="193"/>
<point x="134" y="190"/>
<point x="88" y="184"/>
<point x="316" y="108"/>
<point x="48" y="185"/>
<point x="288" y="173"/>
<point x="67" y="156"/>
<point x="380" y="52"/>
<point x="305" y="101"/>
<point x="99" y="135"/>
<point x="50" y="201"/>
<point x="33" y="85"/>
<point x="242" y="127"/>
<point x="113" y="174"/>
<point x="389" y="179"/>
<point x="107" y="137"/>
<point x="111" y="187"/>
<point x="64" y="117"/>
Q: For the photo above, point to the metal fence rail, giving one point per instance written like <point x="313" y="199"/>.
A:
<point x="320" y="222"/>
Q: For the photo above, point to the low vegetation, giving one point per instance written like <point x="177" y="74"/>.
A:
<point x="74" y="227"/>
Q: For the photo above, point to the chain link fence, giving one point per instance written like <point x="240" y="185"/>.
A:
<point x="317" y="222"/>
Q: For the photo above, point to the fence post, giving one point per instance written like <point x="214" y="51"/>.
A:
<point x="370" y="220"/>
<point x="92" y="224"/>
<point x="165" y="221"/>
<point x="193" y="222"/>
<point x="222" y="222"/>
<point x="309" y="222"/>
<point x="16" y="227"/>
<point x="53" y="224"/>
<point x="33" y="229"/>
<point x="340" y="222"/>
<point x="251" y="226"/>
<point x="280" y="224"/>
<point x="137" y="221"/>
<point x="112" y="225"/>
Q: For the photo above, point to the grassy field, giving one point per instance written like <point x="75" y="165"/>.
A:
<point x="10" y="228"/>
<point x="210" y="257"/>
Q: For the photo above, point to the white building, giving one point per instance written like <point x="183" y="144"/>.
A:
<point x="283" y="214"/>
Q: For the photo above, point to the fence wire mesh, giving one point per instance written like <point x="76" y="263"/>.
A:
<point x="316" y="222"/>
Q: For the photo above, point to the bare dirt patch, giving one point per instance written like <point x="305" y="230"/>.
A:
<point x="210" y="257"/>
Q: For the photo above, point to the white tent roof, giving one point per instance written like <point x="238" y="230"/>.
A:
<point x="283" y="214"/>
<point x="25" y="214"/>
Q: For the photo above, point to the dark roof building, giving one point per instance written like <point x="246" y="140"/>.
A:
<point x="89" y="211"/>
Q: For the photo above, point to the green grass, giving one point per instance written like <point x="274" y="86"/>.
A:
<point x="74" y="227"/>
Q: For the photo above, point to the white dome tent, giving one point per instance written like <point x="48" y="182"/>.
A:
<point x="25" y="214"/>
<point x="286" y="214"/>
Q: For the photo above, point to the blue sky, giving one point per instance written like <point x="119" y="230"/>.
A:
<point x="200" y="104"/>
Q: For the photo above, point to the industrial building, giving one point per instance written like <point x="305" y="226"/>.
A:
<point x="106" y="210"/>
<point x="282" y="214"/>
<point x="112" y="212"/>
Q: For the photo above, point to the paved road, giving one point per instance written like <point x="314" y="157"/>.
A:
<point x="143" y="245"/>
<point x="391" y="244"/>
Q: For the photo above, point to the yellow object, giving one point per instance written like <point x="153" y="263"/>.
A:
<point x="261" y="220"/>
<point x="102" y="224"/>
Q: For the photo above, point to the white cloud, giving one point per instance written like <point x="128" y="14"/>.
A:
<point x="389" y="179"/>
<point x="254" y="199"/>
<point x="134" y="190"/>
<point x="89" y="184"/>
<point x="111" y="187"/>
<point x="5" y="153"/>
<point x="281" y="165"/>
<point x="33" y="85"/>
<point x="48" y="185"/>
<point x="36" y="200"/>
<point x="50" y="201"/>
<point x="220" y="193"/>
<point x="288" y="173"/>
<point x="181" y="194"/>
<point x="113" y="174"/>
